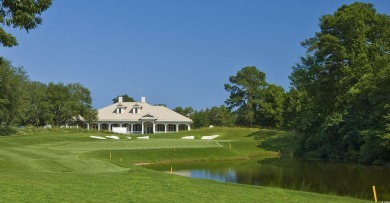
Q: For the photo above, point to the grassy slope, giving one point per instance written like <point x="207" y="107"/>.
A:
<point x="58" y="167"/>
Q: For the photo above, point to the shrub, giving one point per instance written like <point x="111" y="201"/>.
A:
<point x="7" y="130"/>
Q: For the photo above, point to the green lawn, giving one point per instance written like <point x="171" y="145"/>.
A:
<point x="58" y="166"/>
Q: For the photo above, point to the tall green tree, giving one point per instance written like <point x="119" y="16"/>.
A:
<point x="60" y="103"/>
<point x="22" y="14"/>
<point x="81" y="102"/>
<point x="57" y="104"/>
<point x="13" y="81"/>
<point x="271" y="106"/>
<point x="220" y="116"/>
<point x="292" y="108"/>
<point x="200" y="119"/>
<point x="69" y="102"/>
<point x="37" y="105"/>
<point x="244" y="89"/>
<point x="345" y="88"/>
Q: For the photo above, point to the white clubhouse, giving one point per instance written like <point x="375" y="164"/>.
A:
<point x="140" y="118"/>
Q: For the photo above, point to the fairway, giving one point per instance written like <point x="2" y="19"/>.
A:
<point x="94" y="145"/>
<point x="36" y="159"/>
<point x="64" y="156"/>
<point x="72" y="167"/>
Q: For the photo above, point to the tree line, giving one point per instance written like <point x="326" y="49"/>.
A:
<point x="25" y="102"/>
<point x="253" y="102"/>
<point x="343" y="87"/>
<point x="339" y="100"/>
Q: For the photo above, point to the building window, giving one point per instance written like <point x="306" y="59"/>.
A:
<point x="160" y="127"/>
<point x="137" y="127"/>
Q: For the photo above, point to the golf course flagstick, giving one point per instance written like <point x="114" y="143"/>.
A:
<point x="373" y="189"/>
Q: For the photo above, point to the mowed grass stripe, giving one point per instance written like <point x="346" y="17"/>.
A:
<point x="8" y="153"/>
<point x="27" y="153"/>
<point x="164" y="155"/>
<point x="4" y="155"/>
<point x="47" y="166"/>
<point x="36" y="166"/>
<point x="37" y="158"/>
<point x="136" y="144"/>
<point x="64" y="163"/>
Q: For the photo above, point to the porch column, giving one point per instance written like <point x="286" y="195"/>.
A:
<point x="154" y="128"/>
<point x="177" y="127"/>
<point x="87" y="126"/>
<point x="131" y="130"/>
<point x="109" y="126"/>
<point x="98" y="126"/>
<point x="165" y="128"/>
<point x="188" y="127"/>
<point x="142" y="128"/>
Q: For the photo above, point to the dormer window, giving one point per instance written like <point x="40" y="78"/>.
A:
<point x="137" y="109"/>
<point x="120" y="109"/>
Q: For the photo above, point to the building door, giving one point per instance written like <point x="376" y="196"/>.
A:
<point x="149" y="129"/>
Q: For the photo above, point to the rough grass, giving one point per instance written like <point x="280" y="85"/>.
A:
<point x="58" y="166"/>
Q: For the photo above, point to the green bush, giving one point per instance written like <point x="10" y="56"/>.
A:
<point x="7" y="130"/>
<point x="373" y="150"/>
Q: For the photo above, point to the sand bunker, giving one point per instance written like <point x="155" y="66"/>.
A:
<point x="97" y="137"/>
<point x="209" y="137"/>
<point x="113" y="137"/>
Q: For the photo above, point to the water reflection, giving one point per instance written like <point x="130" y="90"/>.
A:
<point x="223" y="176"/>
<point x="342" y="179"/>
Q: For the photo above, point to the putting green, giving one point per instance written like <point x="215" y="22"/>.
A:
<point x="94" y="145"/>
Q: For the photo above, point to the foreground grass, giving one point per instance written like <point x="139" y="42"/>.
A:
<point x="71" y="167"/>
<point x="140" y="185"/>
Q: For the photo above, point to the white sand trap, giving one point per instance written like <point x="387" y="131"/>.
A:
<point x="113" y="137"/>
<point x="144" y="137"/>
<point x="97" y="137"/>
<point x="209" y="137"/>
<point x="188" y="137"/>
<point x="129" y="138"/>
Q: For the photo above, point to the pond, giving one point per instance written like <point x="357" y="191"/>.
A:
<point x="315" y="176"/>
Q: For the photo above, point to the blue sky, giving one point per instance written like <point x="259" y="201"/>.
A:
<point x="174" y="52"/>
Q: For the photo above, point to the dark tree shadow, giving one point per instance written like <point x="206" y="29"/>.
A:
<point x="275" y="140"/>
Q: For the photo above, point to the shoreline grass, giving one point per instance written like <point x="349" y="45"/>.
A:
<point x="55" y="166"/>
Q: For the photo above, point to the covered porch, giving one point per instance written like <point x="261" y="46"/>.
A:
<point x="143" y="127"/>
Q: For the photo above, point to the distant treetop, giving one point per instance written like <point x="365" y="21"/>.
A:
<point x="125" y="97"/>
